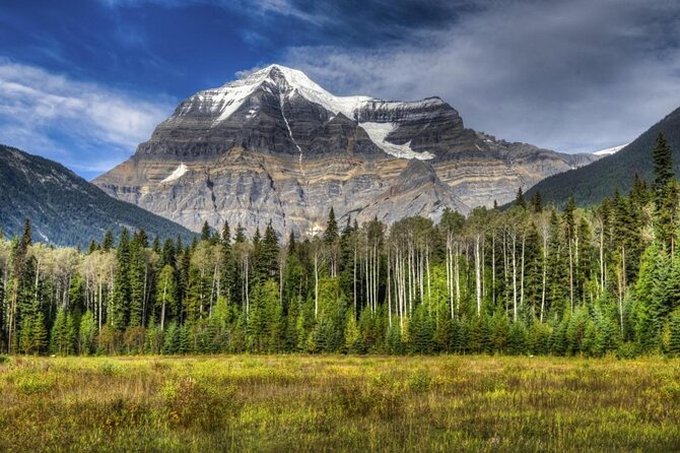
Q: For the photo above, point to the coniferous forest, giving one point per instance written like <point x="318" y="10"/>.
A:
<point x="528" y="279"/>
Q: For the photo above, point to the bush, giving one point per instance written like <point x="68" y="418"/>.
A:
<point x="419" y="382"/>
<point x="32" y="384"/>
<point x="382" y="397"/>
<point x="191" y="403"/>
<point x="627" y="350"/>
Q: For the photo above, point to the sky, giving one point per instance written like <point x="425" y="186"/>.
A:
<point x="83" y="82"/>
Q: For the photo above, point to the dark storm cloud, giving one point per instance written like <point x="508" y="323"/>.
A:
<point x="572" y="75"/>
<point x="569" y="75"/>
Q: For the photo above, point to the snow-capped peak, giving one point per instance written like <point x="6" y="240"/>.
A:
<point x="293" y="80"/>
<point x="610" y="151"/>
<point x="221" y="103"/>
<point x="225" y="100"/>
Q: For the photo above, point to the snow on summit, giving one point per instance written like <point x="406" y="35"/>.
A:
<point x="230" y="96"/>
<point x="221" y="103"/>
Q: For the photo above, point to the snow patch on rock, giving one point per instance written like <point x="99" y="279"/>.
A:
<point x="378" y="133"/>
<point x="610" y="151"/>
<point x="177" y="173"/>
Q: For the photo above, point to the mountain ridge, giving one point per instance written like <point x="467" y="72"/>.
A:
<point x="63" y="208"/>
<point x="277" y="144"/>
<point x="591" y="184"/>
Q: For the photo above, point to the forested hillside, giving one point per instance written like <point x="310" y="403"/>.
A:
<point x="526" y="280"/>
<point x="64" y="208"/>
<point x="592" y="183"/>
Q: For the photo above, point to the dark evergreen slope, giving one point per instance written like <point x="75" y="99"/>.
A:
<point x="594" y="182"/>
<point x="64" y="209"/>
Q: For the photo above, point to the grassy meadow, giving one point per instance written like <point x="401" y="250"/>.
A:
<point x="323" y="403"/>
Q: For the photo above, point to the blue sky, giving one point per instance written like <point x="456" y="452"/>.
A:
<point x="83" y="82"/>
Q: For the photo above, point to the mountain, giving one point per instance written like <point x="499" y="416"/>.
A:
<point x="601" y="179"/>
<point x="276" y="146"/>
<point x="63" y="208"/>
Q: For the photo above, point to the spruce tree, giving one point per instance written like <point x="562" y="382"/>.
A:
<point x="206" y="233"/>
<point x="87" y="333"/>
<point x="119" y="306"/>
<point x="664" y="191"/>
<point x="537" y="202"/>
<point x="674" y="333"/>
<point x="137" y="280"/>
<point x="107" y="243"/>
<point x="39" y="333"/>
<point x="519" y="199"/>
<point x="330" y="235"/>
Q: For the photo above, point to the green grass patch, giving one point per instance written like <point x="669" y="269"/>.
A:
<point x="345" y="403"/>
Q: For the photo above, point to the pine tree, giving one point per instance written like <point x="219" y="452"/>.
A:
<point x="421" y="331"/>
<point x="517" y="339"/>
<point x="537" y="202"/>
<point x="499" y="331"/>
<point x="60" y="337"/>
<point x="331" y="243"/>
<point x="119" y="306"/>
<point x="88" y="333"/>
<point x="206" y="233"/>
<point x="39" y="334"/>
<point x="171" y="339"/>
<point x="330" y="235"/>
<point x="26" y="336"/>
<point x="107" y="243"/>
<point x="674" y="334"/>
<point x="137" y="280"/>
<point x="165" y="295"/>
<point x="519" y="199"/>
<point x="664" y="191"/>
<point x="353" y="343"/>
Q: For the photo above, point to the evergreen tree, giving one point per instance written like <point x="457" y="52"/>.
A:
<point x="665" y="199"/>
<point x="353" y="343"/>
<point x="537" y="202"/>
<point x="61" y="341"/>
<point x="88" y="333"/>
<point x="165" y="295"/>
<point x="119" y="305"/>
<point x="39" y="335"/>
<point x="107" y="243"/>
<point x="519" y="199"/>
<point x="206" y="233"/>
<point x="674" y="334"/>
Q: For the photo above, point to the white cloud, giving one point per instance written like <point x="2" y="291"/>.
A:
<point x="82" y="124"/>
<point x="572" y="76"/>
<point x="285" y="8"/>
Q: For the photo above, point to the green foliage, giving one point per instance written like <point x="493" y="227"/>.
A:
<point x="674" y="334"/>
<point x="64" y="334"/>
<point x="64" y="207"/>
<point x="337" y="403"/>
<point x="529" y="280"/>
<point x="88" y="333"/>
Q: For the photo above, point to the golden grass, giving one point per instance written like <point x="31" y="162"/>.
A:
<point x="323" y="403"/>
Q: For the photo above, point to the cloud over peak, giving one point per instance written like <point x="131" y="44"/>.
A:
<point x="44" y="113"/>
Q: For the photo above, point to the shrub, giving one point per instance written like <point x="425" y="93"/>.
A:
<point x="419" y="382"/>
<point x="191" y="403"/>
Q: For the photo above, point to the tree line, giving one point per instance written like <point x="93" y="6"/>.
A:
<point x="529" y="279"/>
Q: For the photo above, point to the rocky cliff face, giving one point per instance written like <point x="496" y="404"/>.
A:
<point x="276" y="146"/>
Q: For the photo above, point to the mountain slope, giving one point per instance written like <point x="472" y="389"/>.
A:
<point x="601" y="179"/>
<point x="276" y="146"/>
<point x="63" y="208"/>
